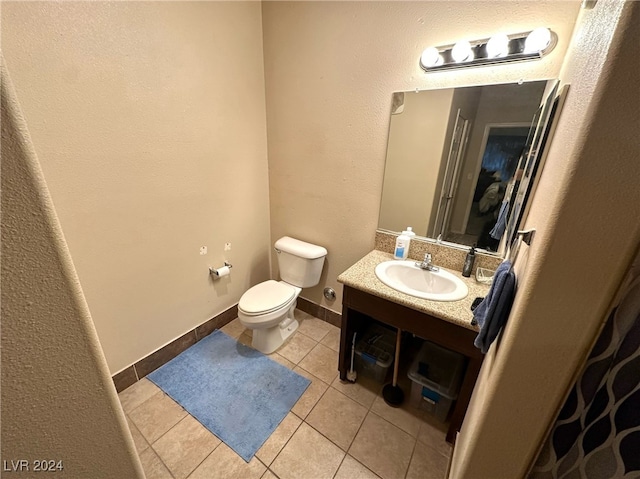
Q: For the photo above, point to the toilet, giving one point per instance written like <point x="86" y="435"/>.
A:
<point x="267" y="308"/>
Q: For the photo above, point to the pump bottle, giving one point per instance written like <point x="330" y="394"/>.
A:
<point x="401" y="250"/>
<point x="468" y="262"/>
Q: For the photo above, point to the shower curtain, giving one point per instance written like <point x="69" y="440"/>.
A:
<point x="597" y="433"/>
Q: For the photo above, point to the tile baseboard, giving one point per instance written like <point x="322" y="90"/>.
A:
<point x="153" y="361"/>
<point x="125" y="378"/>
<point x="320" y="312"/>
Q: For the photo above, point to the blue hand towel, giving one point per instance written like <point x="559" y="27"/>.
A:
<point x="501" y="224"/>
<point x="492" y="313"/>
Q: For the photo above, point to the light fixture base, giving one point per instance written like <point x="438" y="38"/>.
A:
<point x="479" y="52"/>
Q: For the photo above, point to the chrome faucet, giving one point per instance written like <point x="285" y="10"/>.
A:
<point x="426" y="263"/>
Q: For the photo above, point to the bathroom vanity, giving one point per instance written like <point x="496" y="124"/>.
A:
<point x="445" y="323"/>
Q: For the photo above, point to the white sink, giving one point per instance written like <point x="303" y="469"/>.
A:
<point x="406" y="277"/>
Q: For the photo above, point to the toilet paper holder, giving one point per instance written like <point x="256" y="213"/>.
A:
<point x="215" y="272"/>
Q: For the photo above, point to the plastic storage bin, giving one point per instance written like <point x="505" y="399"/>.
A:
<point x="375" y="352"/>
<point x="427" y="399"/>
<point x="436" y="374"/>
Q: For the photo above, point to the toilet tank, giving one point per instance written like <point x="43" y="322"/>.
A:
<point x="300" y="263"/>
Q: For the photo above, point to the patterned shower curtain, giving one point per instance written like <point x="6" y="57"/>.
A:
<point x="597" y="433"/>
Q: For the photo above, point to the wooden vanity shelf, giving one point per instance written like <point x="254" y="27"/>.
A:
<point x="357" y="309"/>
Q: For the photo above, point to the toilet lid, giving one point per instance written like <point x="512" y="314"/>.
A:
<point x="266" y="297"/>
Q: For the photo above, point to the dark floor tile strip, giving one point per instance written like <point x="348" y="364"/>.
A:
<point x="137" y="371"/>
<point x="311" y="308"/>
<point x="133" y="373"/>
<point x="165" y="354"/>
<point x="334" y="318"/>
<point x="216" y="323"/>
<point x="125" y="378"/>
<point x="320" y="312"/>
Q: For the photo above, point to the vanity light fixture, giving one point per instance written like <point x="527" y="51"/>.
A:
<point x="537" y="40"/>
<point x="500" y="48"/>
<point x="462" y="52"/>
<point x="431" y="56"/>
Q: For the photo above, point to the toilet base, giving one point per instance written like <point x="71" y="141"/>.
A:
<point x="270" y="339"/>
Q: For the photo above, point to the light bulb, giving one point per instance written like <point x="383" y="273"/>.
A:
<point x="431" y="57"/>
<point x="461" y="52"/>
<point x="537" y="40"/>
<point x="498" y="46"/>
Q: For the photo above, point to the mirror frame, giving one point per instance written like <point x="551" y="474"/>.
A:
<point x="537" y="157"/>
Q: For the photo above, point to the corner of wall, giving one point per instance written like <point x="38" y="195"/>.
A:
<point x="61" y="403"/>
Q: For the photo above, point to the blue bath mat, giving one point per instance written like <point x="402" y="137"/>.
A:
<point x="236" y="392"/>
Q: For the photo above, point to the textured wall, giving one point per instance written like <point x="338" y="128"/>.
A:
<point x="149" y="122"/>
<point x="330" y="70"/>
<point x="586" y="212"/>
<point x="58" y="401"/>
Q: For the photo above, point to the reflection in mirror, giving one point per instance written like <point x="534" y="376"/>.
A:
<point x="456" y="156"/>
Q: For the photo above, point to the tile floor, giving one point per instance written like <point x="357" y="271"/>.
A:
<point x="336" y="430"/>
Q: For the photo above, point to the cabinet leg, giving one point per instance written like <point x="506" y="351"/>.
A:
<point x="345" y="332"/>
<point x="468" y="383"/>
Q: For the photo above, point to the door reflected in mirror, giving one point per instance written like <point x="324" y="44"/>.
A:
<point x="455" y="160"/>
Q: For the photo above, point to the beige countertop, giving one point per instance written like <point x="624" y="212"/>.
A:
<point x="362" y="276"/>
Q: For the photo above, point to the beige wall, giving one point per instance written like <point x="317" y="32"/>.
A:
<point x="414" y="153"/>
<point x="330" y="70"/>
<point x="58" y="401"/>
<point x="586" y="212"/>
<point x="149" y="121"/>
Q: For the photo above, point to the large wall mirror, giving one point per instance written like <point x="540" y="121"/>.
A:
<point x="461" y="162"/>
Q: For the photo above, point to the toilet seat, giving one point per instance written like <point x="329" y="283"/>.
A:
<point x="266" y="297"/>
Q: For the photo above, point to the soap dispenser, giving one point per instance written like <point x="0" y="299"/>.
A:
<point x="401" y="250"/>
<point x="468" y="262"/>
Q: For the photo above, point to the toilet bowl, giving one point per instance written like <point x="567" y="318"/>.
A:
<point x="268" y="307"/>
